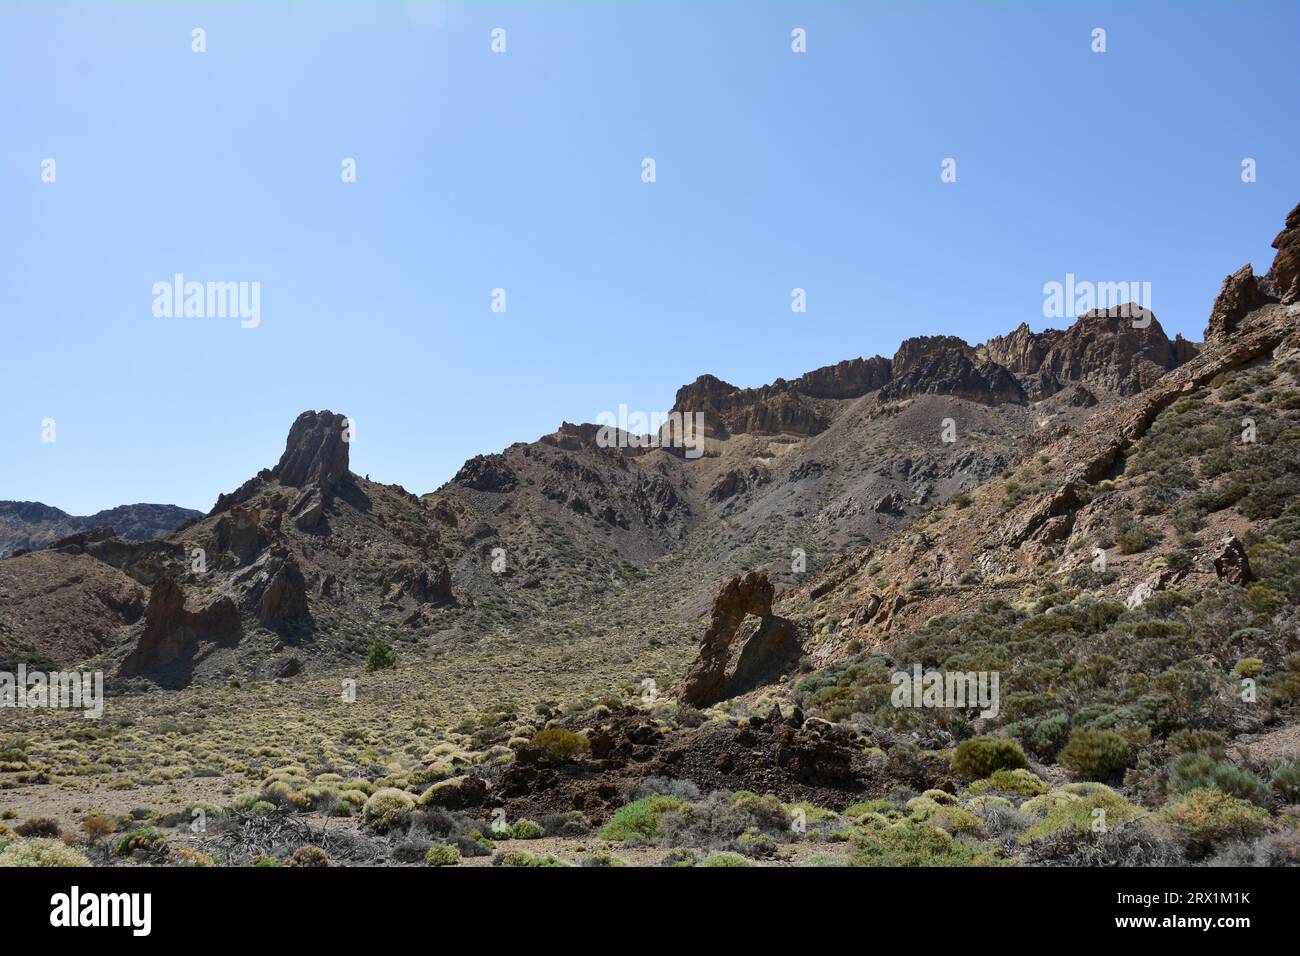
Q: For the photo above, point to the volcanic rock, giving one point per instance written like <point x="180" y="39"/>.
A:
<point x="172" y="632"/>
<point x="1285" y="272"/>
<point x="1232" y="564"/>
<point x="316" y="451"/>
<point x="734" y="658"/>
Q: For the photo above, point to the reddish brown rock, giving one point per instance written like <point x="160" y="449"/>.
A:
<point x="735" y="657"/>
<point x="1285" y="273"/>
<point x="1238" y="297"/>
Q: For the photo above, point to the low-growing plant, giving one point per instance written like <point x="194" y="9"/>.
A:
<point x="1094" y="754"/>
<point x="639" y="819"/>
<point x="981" y="756"/>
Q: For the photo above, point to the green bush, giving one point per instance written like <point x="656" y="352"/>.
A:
<point x="527" y="830"/>
<point x="520" y="858"/>
<point x="640" y="819"/>
<point x="1286" y="781"/>
<point x="1021" y="782"/>
<point x="561" y="744"/>
<point x="724" y="859"/>
<point x="1196" y="771"/>
<point x="379" y="655"/>
<point x="1207" y="817"/>
<point x="387" y="807"/>
<point x="1095" y="754"/>
<point x="913" y="843"/>
<point x="442" y="854"/>
<point x="982" y="756"/>
<point x="146" y="838"/>
<point x="1080" y="809"/>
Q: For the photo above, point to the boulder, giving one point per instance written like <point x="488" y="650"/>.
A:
<point x="1231" y="564"/>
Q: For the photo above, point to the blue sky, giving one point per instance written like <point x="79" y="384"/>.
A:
<point x="522" y="171"/>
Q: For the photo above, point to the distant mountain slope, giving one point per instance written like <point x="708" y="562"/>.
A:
<point x="30" y="524"/>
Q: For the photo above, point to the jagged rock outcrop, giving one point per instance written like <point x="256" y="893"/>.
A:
<point x="1239" y="295"/>
<point x="946" y="365"/>
<point x="1284" y="276"/>
<point x="734" y="481"/>
<point x="487" y="473"/>
<point x="734" y="658"/>
<point x="277" y="592"/>
<point x="1102" y="347"/>
<point x="1231" y="563"/>
<point x="315" y="451"/>
<point x="851" y="379"/>
<point x="172" y="633"/>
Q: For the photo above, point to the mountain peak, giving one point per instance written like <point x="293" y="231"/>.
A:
<point x="315" y="451"/>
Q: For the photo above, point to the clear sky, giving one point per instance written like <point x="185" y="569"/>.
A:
<point x="523" y="171"/>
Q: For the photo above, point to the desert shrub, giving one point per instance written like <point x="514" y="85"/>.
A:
<point x="1095" y="754"/>
<point x="666" y="787"/>
<point x="561" y="744"/>
<point x="527" y="830"/>
<point x="379" y="655"/>
<point x="724" y="859"/>
<point x="146" y="838"/>
<point x="1136" y="539"/>
<point x="1195" y="771"/>
<point x="38" y="827"/>
<point x="982" y="756"/>
<point x="190" y="856"/>
<point x="520" y="858"/>
<point x="601" y="858"/>
<point x="1000" y="820"/>
<point x="1046" y="737"/>
<point x="41" y="852"/>
<point x="1196" y="741"/>
<point x="911" y="843"/>
<point x="1130" y="844"/>
<point x="1020" y="781"/>
<point x="1094" y="809"/>
<point x="97" y="826"/>
<point x="1285" y="781"/>
<point x="443" y="854"/>
<point x="639" y="820"/>
<point x="386" y="808"/>
<point x="1206" y="817"/>
<point x="311" y="856"/>
<point x="1249" y="667"/>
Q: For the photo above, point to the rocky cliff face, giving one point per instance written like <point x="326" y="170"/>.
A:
<point x="946" y="365"/>
<point x="1102" y="348"/>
